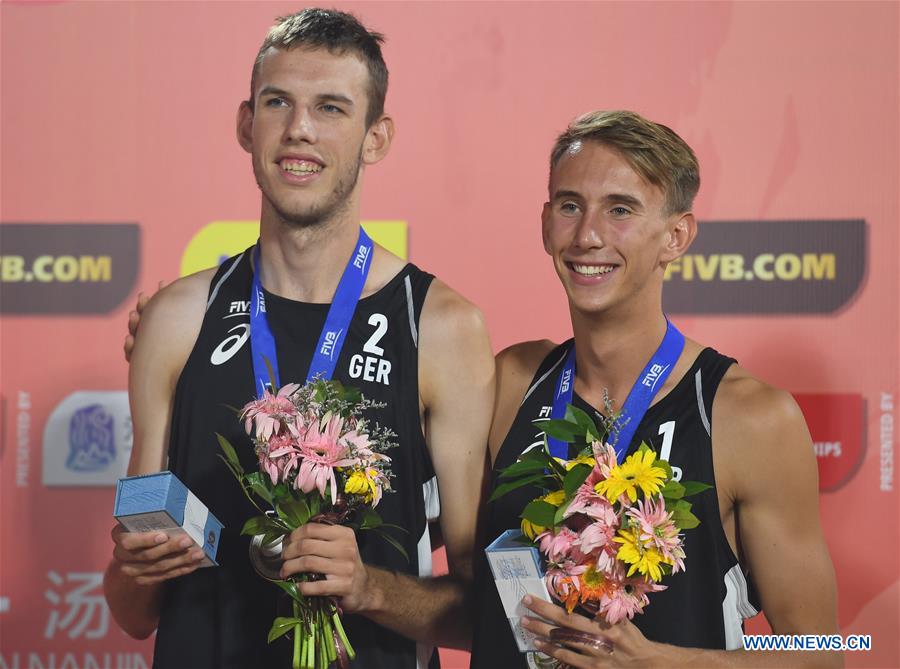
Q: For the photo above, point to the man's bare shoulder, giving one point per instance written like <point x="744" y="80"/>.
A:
<point x="516" y="366"/>
<point x="184" y="298"/>
<point x="171" y="322"/>
<point x="757" y="427"/>
<point x="753" y="404"/>
<point x="449" y="317"/>
<point x="454" y="347"/>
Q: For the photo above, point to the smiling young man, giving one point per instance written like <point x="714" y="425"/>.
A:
<point x="314" y="120"/>
<point x="621" y="194"/>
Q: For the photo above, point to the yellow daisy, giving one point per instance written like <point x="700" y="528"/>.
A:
<point x="636" y="472"/>
<point x="531" y="530"/>
<point x="642" y="558"/>
<point x="581" y="460"/>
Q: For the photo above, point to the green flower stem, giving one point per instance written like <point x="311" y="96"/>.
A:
<point x="329" y="638"/>
<point x="298" y="638"/>
<point x="340" y="629"/>
<point x="311" y="650"/>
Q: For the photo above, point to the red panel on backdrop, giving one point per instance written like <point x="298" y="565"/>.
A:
<point x="836" y="426"/>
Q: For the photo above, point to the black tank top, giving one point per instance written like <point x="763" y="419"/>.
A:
<point x="705" y="605"/>
<point x="219" y="617"/>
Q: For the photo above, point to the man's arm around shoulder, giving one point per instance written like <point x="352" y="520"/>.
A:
<point x="456" y="387"/>
<point x="170" y="323"/>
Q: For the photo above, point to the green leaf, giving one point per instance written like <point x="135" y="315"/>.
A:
<point x="694" y="487"/>
<point x="575" y="478"/>
<point x="260" y="485"/>
<point x="369" y="519"/>
<point x="563" y="430"/>
<point x="281" y="492"/>
<point x="394" y="527"/>
<point x="230" y="454"/>
<point x="672" y="490"/>
<point x="539" y="512"/>
<point x="272" y="535"/>
<point x="281" y="626"/>
<point x="262" y="525"/>
<point x="504" y="488"/>
<point x="295" y="512"/>
<point x="523" y="467"/>
<point x="684" y="519"/>
<point x="291" y="589"/>
<point x="583" y="420"/>
<point x="315" y="505"/>
<point x="352" y="395"/>
<point x="666" y="467"/>
<point x="538" y="454"/>
<point x="272" y="382"/>
<point x="392" y="541"/>
<point x="561" y="512"/>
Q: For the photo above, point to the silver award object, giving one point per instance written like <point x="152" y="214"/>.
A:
<point x="266" y="557"/>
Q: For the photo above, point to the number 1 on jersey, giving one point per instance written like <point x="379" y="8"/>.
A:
<point x="667" y="430"/>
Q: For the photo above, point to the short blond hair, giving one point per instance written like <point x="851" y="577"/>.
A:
<point x="654" y="151"/>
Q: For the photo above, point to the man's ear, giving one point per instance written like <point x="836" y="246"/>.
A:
<point x="378" y="140"/>
<point x="545" y="226"/>
<point x="682" y="230"/>
<point x="244" y="126"/>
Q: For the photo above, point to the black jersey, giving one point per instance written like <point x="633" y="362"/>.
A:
<point x="219" y="617"/>
<point x="705" y="605"/>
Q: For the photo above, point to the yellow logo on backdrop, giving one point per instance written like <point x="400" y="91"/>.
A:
<point x="222" y="239"/>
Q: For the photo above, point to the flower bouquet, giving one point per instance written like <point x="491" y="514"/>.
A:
<point x="608" y="532"/>
<point x="319" y="461"/>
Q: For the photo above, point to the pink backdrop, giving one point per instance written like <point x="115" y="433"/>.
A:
<point x="123" y="113"/>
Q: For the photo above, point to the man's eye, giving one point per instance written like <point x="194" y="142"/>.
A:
<point x="276" y="102"/>
<point x="332" y="109"/>
<point x="620" y="211"/>
<point x="568" y="207"/>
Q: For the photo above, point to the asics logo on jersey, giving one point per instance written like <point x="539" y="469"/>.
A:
<point x="362" y="257"/>
<point x="260" y="302"/>
<point x="328" y="346"/>
<point x="653" y="375"/>
<point x="231" y="345"/>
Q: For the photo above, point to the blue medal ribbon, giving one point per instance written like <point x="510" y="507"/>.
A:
<point x="648" y="383"/>
<point x="334" y="332"/>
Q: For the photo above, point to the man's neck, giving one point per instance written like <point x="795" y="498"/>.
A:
<point x="611" y="350"/>
<point x="306" y="264"/>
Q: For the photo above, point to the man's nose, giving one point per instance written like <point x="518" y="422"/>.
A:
<point x="301" y="127"/>
<point x="589" y="232"/>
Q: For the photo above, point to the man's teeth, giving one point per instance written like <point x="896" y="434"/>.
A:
<point x="592" y="270"/>
<point x="300" y="167"/>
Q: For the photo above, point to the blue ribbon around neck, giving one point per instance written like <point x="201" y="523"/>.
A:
<point x="334" y="332"/>
<point x="648" y="383"/>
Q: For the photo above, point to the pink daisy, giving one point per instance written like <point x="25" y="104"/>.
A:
<point x="271" y="412"/>
<point x="322" y="451"/>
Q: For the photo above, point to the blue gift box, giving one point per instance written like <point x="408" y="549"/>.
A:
<point x="517" y="572"/>
<point x="160" y="502"/>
